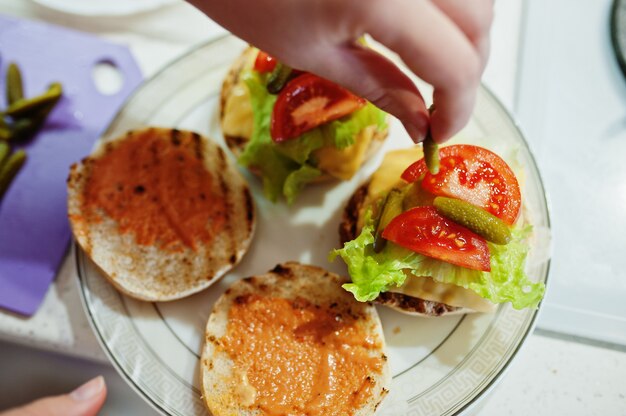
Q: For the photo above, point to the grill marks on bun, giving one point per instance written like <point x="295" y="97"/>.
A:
<point x="162" y="212"/>
<point x="292" y="341"/>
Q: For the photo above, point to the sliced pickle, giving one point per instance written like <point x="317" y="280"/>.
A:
<point x="476" y="219"/>
<point x="391" y="208"/>
<point x="278" y="78"/>
<point x="431" y="154"/>
<point x="431" y="149"/>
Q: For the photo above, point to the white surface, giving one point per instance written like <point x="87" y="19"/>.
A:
<point x="573" y="109"/>
<point x="104" y="8"/>
<point x="548" y="377"/>
<point x="555" y="377"/>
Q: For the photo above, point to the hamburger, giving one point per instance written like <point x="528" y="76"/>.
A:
<point x="439" y="244"/>
<point x="306" y="130"/>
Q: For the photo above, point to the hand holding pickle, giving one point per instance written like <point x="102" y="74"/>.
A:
<point x="442" y="42"/>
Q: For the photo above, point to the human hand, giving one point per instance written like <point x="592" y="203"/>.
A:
<point x="86" y="400"/>
<point x="444" y="42"/>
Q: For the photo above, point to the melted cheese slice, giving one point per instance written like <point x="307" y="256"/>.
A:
<point x="388" y="174"/>
<point x="343" y="163"/>
<point x="383" y="180"/>
<point x="238" y="119"/>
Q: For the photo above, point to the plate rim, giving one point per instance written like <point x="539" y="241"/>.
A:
<point x="467" y="406"/>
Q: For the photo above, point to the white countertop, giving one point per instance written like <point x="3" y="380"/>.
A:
<point x="551" y="375"/>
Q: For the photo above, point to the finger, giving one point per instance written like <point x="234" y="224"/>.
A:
<point x="474" y="18"/>
<point x="451" y="113"/>
<point x="435" y="49"/>
<point x="374" y="77"/>
<point x="86" y="400"/>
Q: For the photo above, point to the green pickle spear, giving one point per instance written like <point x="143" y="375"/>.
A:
<point x="278" y="78"/>
<point x="26" y="107"/>
<point x="5" y="149"/>
<point x="431" y="154"/>
<point x="391" y="208"/>
<point x="476" y="219"/>
<point x="5" y="130"/>
<point x="9" y="169"/>
<point x="15" y="90"/>
<point x="431" y="149"/>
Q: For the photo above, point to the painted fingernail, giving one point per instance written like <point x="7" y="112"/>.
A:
<point x="417" y="127"/>
<point x="88" y="390"/>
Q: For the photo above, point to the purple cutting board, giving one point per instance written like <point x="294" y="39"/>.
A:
<point x="34" y="232"/>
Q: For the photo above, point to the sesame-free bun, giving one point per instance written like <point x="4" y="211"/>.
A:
<point x="225" y="389"/>
<point x="154" y="271"/>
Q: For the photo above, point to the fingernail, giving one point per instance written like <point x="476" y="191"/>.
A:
<point x="88" y="390"/>
<point x="417" y="127"/>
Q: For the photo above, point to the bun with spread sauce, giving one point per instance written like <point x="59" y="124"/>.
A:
<point x="439" y="244"/>
<point x="163" y="213"/>
<point x="307" y="130"/>
<point x="292" y="342"/>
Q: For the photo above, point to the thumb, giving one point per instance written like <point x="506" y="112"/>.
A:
<point x="86" y="400"/>
<point x="372" y="76"/>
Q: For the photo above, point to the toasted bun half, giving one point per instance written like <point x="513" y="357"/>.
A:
<point x="273" y="351"/>
<point x="457" y="300"/>
<point x="236" y="120"/>
<point x="136" y="260"/>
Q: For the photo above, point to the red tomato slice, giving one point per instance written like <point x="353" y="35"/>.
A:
<point x="475" y="175"/>
<point x="426" y="232"/>
<point x="264" y="62"/>
<point x="307" y="102"/>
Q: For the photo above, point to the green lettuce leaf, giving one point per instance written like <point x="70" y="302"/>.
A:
<point x="342" y="132"/>
<point x="286" y="167"/>
<point x="300" y="149"/>
<point x="275" y="170"/>
<point x="373" y="273"/>
<point x="297" y="180"/>
<point x="260" y="152"/>
<point x="262" y="106"/>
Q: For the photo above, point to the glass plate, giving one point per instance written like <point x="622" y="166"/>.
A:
<point x="440" y="366"/>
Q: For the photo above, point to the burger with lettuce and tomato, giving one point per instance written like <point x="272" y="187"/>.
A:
<point x="439" y="244"/>
<point x="299" y="130"/>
